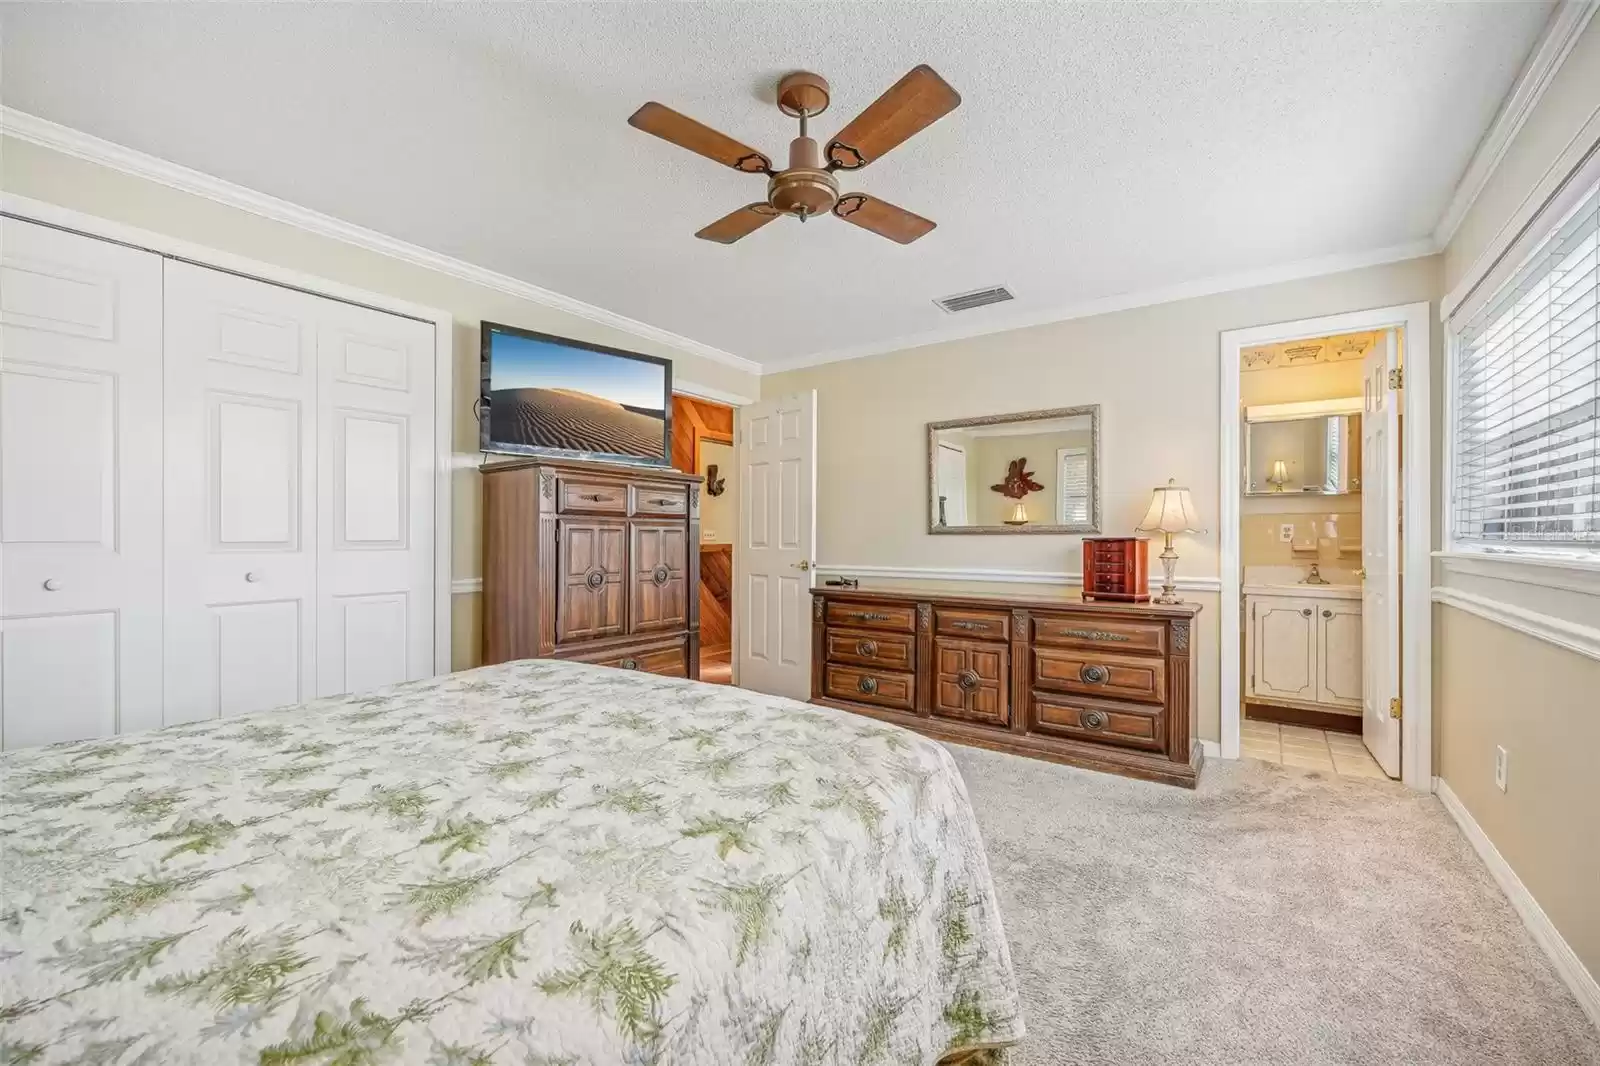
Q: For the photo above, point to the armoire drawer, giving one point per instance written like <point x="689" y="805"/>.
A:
<point x="890" y="688"/>
<point x="591" y="497"/>
<point x="1124" y="724"/>
<point x="901" y="617"/>
<point x="665" y="659"/>
<point x="887" y="651"/>
<point x="1097" y="674"/>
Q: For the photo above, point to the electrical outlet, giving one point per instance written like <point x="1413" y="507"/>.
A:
<point x="1286" y="533"/>
<point x="1500" y="760"/>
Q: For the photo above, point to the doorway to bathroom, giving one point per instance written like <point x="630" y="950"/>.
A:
<point x="702" y="443"/>
<point x="1316" y="603"/>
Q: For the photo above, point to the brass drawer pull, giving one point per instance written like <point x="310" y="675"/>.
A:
<point x="871" y="616"/>
<point x="964" y="624"/>
<point x="869" y="685"/>
<point x="968" y="680"/>
<point x="665" y="501"/>
<point x="629" y="664"/>
<point x="660" y="574"/>
<point x="594" y="496"/>
<point x="1093" y="634"/>
<point x="1094" y="675"/>
<point x="1093" y="720"/>
<point x="869" y="648"/>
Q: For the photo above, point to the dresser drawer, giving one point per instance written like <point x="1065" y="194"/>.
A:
<point x="1123" y="724"/>
<point x="1105" y="634"/>
<point x="888" y="651"/>
<point x="659" y="499"/>
<point x="900" y="617"/>
<point x="1096" y="673"/>
<point x="888" y="688"/>
<point x="972" y="624"/>
<point x="590" y="497"/>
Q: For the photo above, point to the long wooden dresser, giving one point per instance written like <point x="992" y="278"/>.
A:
<point x="593" y="562"/>
<point x="1108" y="686"/>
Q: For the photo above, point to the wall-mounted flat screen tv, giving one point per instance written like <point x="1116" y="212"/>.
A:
<point x="544" y="395"/>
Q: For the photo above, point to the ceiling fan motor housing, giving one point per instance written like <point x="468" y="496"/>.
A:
<point x="806" y="187"/>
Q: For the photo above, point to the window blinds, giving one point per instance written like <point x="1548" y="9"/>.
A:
<point x="1074" y="463"/>
<point x="1527" y="399"/>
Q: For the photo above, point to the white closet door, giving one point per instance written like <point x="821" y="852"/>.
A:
<point x="80" y="487"/>
<point x="375" y="484"/>
<point x="241" y="432"/>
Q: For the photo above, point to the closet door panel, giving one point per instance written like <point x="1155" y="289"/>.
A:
<point x="375" y="499"/>
<point x="80" y="487"/>
<point x="241" y="433"/>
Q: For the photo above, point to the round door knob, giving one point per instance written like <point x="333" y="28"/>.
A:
<point x="803" y="564"/>
<point x="1306" y="611"/>
<point x="967" y="679"/>
<point x="1094" y="720"/>
<point x="594" y="579"/>
<point x="252" y="577"/>
<point x="52" y="585"/>
<point x="660" y="574"/>
<point x="1094" y="675"/>
<point x="1327" y="613"/>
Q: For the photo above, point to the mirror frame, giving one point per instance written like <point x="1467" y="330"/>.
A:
<point x="1091" y="526"/>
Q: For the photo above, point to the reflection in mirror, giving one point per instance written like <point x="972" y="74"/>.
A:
<point x="1035" y="472"/>
<point x="1316" y="456"/>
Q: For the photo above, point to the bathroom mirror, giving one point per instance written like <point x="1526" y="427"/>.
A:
<point x="1032" y="472"/>
<point x="1291" y="451"/>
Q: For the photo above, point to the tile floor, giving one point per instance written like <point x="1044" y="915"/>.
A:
<point x="1310" y="749"/>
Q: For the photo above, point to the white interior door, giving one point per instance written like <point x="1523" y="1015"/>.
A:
<point x="952" y="480"/>
<point x="242" y="442"/>
<point x="777" y="457"/>
<point x="1380" y="553"/>
<point x="375" y="484"/>
<point x="80" y="487"/>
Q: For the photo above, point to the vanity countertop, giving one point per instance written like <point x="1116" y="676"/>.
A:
<point x="1318" y="592"/>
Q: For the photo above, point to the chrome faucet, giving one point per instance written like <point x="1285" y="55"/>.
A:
<point x="1315" y="577"/>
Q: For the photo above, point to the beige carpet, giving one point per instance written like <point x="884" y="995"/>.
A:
<point x="1273" y="916"/>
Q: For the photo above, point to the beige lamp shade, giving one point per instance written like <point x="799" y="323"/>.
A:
<point x="1280" y="472"/>
<point x="1171" y="511"/>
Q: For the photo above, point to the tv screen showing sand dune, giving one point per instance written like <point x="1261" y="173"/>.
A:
<point x="543" y="394"/>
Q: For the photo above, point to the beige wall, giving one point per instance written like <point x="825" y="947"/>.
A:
<point x="1493" y="685"/>
<point x="1153" y="370"/>
<point x="42" y="174"/>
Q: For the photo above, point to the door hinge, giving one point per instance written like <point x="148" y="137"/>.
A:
<point x="1397" y="378"/>
<point x="1252" y="612"/>
<point x="1396" y="709"/>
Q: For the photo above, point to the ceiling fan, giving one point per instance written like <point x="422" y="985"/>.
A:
<point x="807" y="186"/>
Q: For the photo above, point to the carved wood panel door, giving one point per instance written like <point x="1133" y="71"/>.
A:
<point x="659" y="589"/>
<point x="592" y="568"/>
<point x="971" y="681"/>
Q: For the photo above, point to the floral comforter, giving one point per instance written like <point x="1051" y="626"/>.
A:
<point x="533" y="864"/>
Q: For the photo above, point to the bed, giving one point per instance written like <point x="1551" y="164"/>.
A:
<point x="536" y="863"/>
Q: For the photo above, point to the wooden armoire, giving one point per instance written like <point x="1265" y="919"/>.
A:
<point x="593" y="562"/>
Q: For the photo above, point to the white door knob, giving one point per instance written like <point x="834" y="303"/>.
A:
<point x="252" y="576"/>
<point x="51" y="584"/>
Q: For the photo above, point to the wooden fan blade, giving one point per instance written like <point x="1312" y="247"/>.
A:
<point x="912" y="104"/>
<point x="701" y="139"/>
<point x="884" y="219"/>
<point x="740" y="223"/>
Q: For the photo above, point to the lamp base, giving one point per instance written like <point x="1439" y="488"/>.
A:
<point x="1169" y="575"/>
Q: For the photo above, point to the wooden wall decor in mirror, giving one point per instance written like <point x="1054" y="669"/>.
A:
<point x="1060" y="449"/>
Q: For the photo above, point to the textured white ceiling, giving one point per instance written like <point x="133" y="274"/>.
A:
<point x="1099" y="149"/>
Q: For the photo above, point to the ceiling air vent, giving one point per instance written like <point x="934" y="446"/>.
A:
<point x="966" y="301"/>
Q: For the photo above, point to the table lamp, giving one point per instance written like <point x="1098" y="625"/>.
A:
<point x="1171" y="511"/>
<point x="1279" y="475"/>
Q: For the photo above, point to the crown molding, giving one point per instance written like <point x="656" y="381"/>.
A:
<point x="1188" y="290"/>
<point x="1561" y="32"/>
<point x="76" y="143"/>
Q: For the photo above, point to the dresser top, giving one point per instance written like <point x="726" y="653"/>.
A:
<point x="1045" y="599"/>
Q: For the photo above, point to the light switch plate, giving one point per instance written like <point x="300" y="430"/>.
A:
<point x="1501" y="758"/>
<point x="1286" y="533"/>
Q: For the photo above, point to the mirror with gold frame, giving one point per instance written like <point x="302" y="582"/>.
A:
<point x="977" y="485"/>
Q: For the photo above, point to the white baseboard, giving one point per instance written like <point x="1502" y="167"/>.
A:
<point x="1212" y="749"/>
<point x="1582" y="983"/>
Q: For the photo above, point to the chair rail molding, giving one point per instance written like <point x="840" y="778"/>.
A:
<point x="1578" y="979"/>
<point x="65" y="139"/>
<point x="1573" y="636"/>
